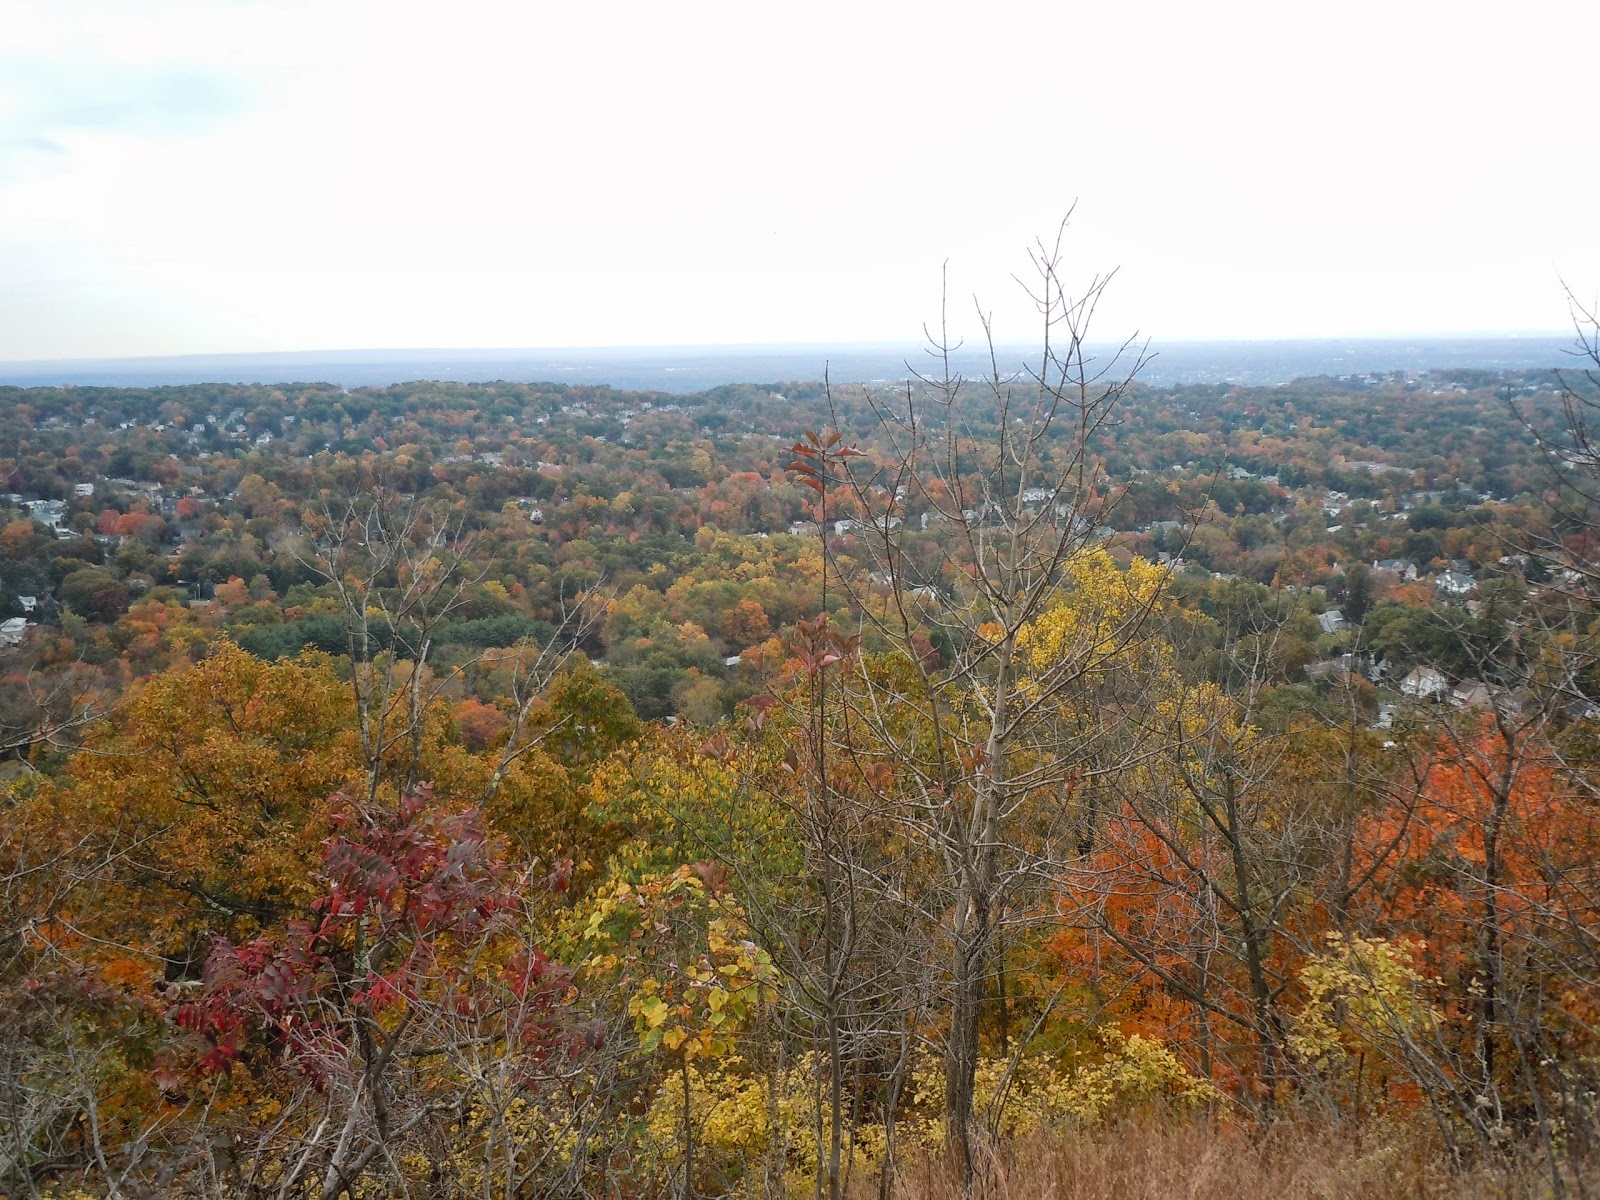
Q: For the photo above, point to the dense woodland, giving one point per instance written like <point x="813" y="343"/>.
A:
<point x="522" y="790"/>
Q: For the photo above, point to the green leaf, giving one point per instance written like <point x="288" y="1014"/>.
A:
<point x="654" y="1011"/>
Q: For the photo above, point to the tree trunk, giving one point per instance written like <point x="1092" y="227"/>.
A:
<point x="688" y="1135"/>
<point x="968" y="971"/>
<point x="1250" y="933"/>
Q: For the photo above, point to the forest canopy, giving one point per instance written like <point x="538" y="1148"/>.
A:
<point x="508" y="789"/>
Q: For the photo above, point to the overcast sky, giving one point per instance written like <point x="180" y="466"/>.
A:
<point x="237" y="175"/>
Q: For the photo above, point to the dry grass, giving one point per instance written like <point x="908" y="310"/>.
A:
<point x="1191" y="1161"/>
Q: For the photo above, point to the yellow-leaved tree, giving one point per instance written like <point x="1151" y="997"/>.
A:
<point x="203" y="802"/>
<point x="677" y="945"/>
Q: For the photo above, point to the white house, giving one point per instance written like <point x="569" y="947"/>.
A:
<point x="12" y="631"/>
<point x="1424" y="683"/>
<point x="1333" y="621"/>
<point x="1454" y="583"/>
<point x="47" y="512"/>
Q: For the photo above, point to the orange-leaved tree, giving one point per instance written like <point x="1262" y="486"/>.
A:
<point x="1494" y="871"/>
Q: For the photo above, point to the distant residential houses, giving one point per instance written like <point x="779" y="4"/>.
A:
<point x="51" y="513"/>
<point x="1423" y="682"/>
<point x="1370" y="666"/>
<point x="1403" y="567"/>
<point x="1581" y="708"/>
<point x="879" y="525"/>
<point x="1456" y="581"/>
<point x="136" y="487"/>
<point x="1426" y="684"/>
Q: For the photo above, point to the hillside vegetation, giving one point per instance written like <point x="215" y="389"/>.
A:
<point x="1022" y="786"/>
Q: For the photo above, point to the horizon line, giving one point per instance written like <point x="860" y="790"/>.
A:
<point x="752" y="348"/>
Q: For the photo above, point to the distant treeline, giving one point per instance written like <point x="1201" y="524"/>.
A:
<point x="333" y="635"/>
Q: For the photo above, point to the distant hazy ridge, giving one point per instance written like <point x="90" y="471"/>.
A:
<point x="692" y="368"/>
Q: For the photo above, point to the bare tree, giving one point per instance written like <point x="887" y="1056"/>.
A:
<point x="979" y="744"/>
<point x="401" y="567"/>
<point x="849" y="935"/>
<point x="42" y="707"/>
